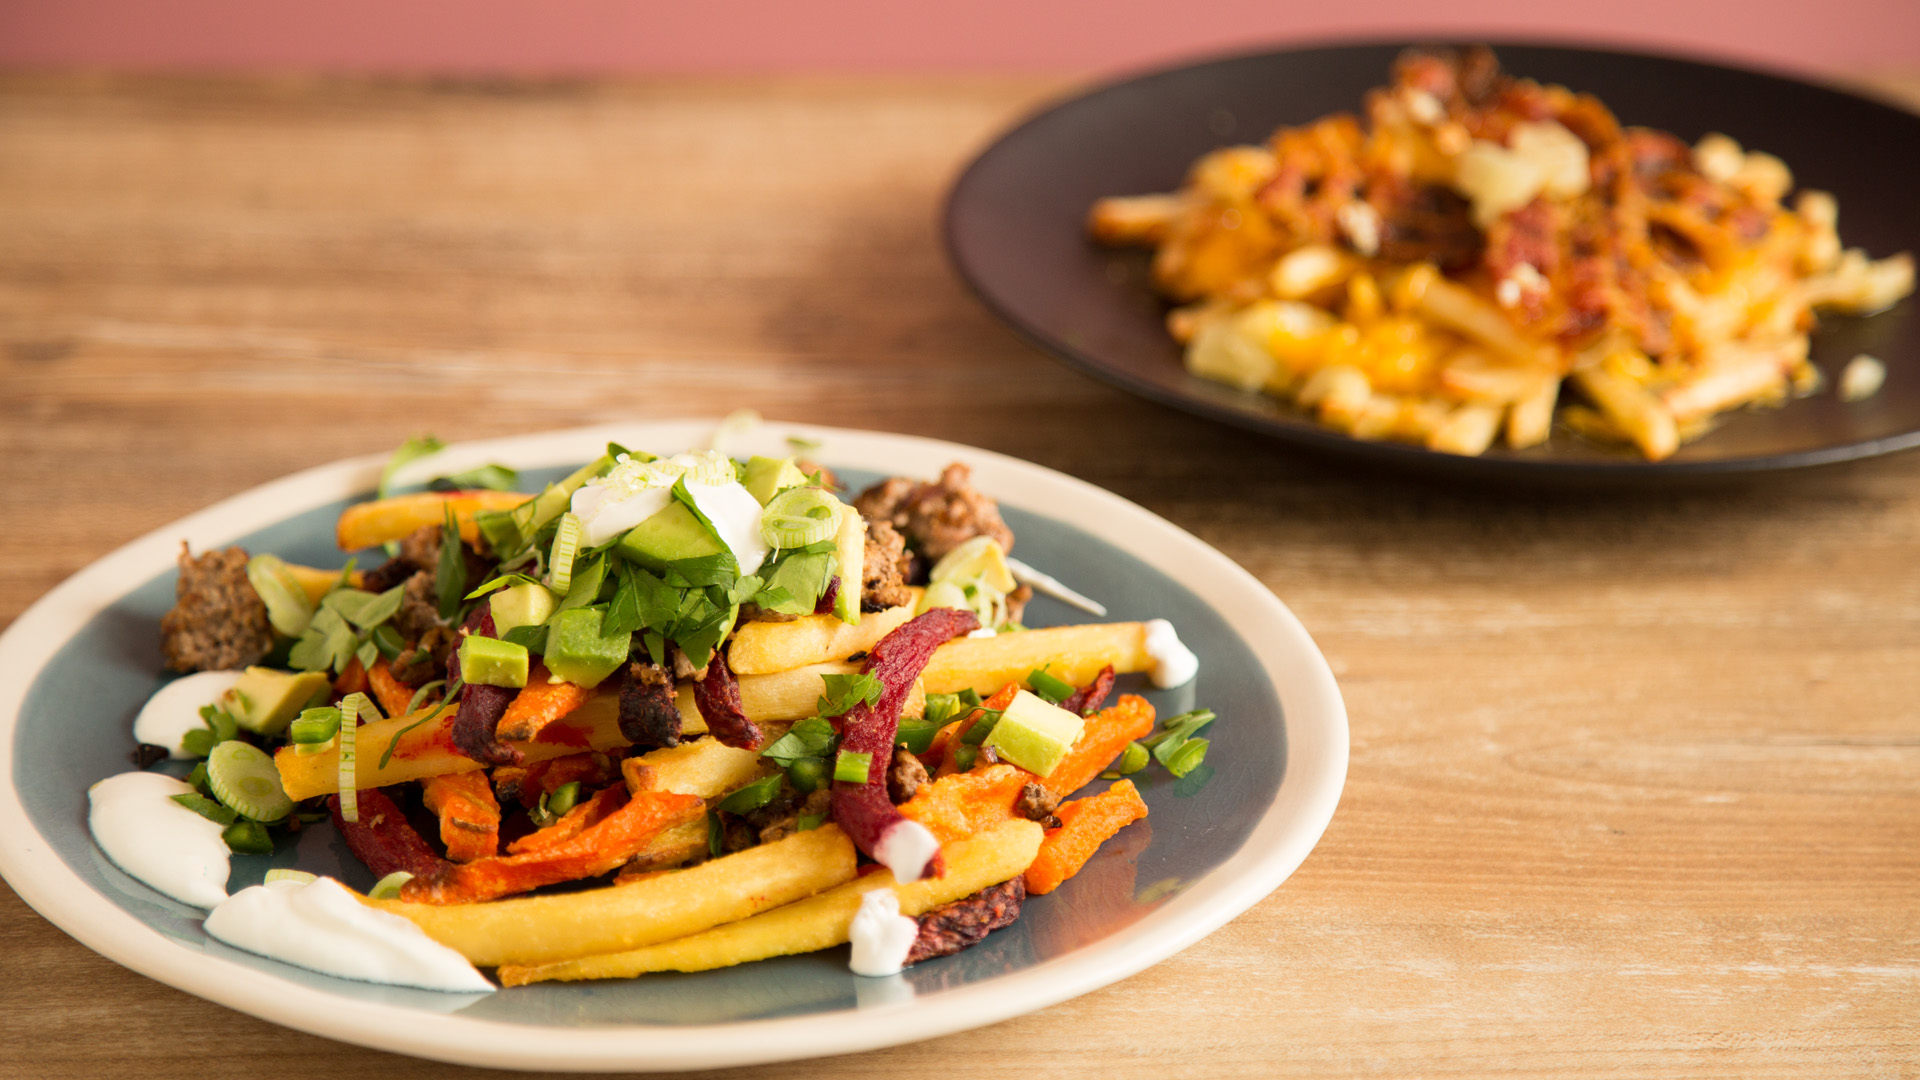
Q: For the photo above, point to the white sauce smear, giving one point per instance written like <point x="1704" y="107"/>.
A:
<point x="606" y="511"/>
<point x="320" y="926"/>
<point x="174" y="709"/>
<point x="165" y="845"/>
<point x="905" y="849"/>
<point x="881" y="936"/>
<point x="735" y="514"/>
<point x="1173" y="663"/>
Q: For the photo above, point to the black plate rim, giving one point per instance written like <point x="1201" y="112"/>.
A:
<point x="1304" y="433"/>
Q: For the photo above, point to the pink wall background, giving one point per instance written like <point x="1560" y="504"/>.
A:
<point x="567" y="37"/>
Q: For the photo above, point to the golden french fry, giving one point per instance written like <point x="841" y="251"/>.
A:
<point x="317" y="583"/>
<point x="538" y="929"/>
<point x="759" y="648"/>
<point x="1530" y="420"/>
<point x="1632" y="409"/>
<point x="1458" y="308"/>
<point x="427" y="749"/>
<point x="370" y="524"/>
<point x="1472" y="375"/>
<point x="1733" y="376"/>
<point x="703" y="767"/>
<point x="819" y="922"/>
<point x="1073" y="653"/>
<point x="1468" y="430"/>
<point x="1137" y="219"/>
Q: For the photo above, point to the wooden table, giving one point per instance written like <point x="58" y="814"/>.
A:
<point x="1636" y="779"/>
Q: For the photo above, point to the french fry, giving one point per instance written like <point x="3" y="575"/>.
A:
<point x="704" y="767"/>
<point x="762" y="647"/>
<point x="1468" y="430"/>
<point x="538" y="704"/>
<point x="599" y="849"/>
<point x="1137" y="219"/>
<point x="539" y="929"/>
<point x="1530" y="420"/>
<point x="317" y="583"/>
<point x="370" y="524"/>
<point x="1104" y="736"/>
<point x="1632" y="409"/>
<point x="1071" y="653"/>
<point x="1085" y="824"/>
<point x="469" y="814"/>
<point x="393" y="695"/>
<point x="819" y="922"/>
<point x="425" y="748"/>
<point x="1732" y="376"/>
<point x="960" y="805"/>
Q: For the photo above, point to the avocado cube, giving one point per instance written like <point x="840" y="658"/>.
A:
<point x="767" y="477"/>
<point x="670" y="536"/>
<point x="265" y="701"/>
<point x="486" y="661"/>
<point x="1034" y="734"/>
<point x="578" y="653"/>
<point x="526" y="604"/>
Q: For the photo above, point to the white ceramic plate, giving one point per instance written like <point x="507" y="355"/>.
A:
<point x="81" y="660"/>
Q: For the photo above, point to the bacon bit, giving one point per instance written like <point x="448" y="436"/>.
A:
<point x="584" y="815"/>
<point x="469" y="815"/>
<point x="538" y="704"/>
<point x="1104" y="737"/>
<point x="863" y="809"/>
<point x="1085" y="825"/>
<point x="383" y="839"/>
<point x="599" y="849"/>
<point x="1090" y="697"/>
<point x="393" y="695"/>
<point x="718" y="697"/>
<point x="961" y="804"/>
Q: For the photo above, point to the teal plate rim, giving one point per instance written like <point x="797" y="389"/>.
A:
<point x="1273" y="828"/>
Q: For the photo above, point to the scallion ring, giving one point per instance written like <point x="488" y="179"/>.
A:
<point x="566" y="544"/>
<point x="800" y="516"/>
<point x="388" y="888"/>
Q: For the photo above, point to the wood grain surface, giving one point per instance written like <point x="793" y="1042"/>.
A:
<point x="1635" y="785"/>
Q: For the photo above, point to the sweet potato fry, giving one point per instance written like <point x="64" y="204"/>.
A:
<point x="469" y="815"/>
<point x="393" y="695"/>
<point x="1104" y="737"/>
<point x="597" y="850"/>
<point x="537" y="929"/>
<point x="370" y="524"/>
<point x="1085" y="824"/>
<point x="958" y="806"/>
<point x="538" y="704"/>
<point x="584" y="815"/>
<point x="818" y="922"/>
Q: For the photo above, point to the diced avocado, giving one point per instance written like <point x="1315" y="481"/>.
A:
<point x="489" y="661"/>
<point x="1034" y="734"/>
<point x="670" y="536"/>
<point x="767" y="477"/>
<point x="578" y="653"/>
<point x="850" y="552"/>
<point x="265" y="701"/>
<point x="526" y="604"/>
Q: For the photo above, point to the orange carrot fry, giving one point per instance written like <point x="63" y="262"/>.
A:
<point x="393" y="695"/>
<point x="469" y="816"/>
<point x="1085" y="824"/>
<point x="959" y="805"/>
<point x="352" y="678"/>
<point x="540" y="703"/>
<point x="945" y="739"/>
<point x="584" y="815"/>
<point x="599" y="849"/>
<point x="1104" y="738"/>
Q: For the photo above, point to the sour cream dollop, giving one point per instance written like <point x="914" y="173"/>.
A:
<point x="881" y="936"/>
<point x="174" y="709"/>
<point x="320" y="926"/>
<point x="906" y="848"/>
<point x="735" y="514"/>
<point x="633" y="491"/>
<point x="165" y="845"/>
<point x="1173" y="663"/>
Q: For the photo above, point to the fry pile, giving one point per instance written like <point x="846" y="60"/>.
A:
<point x="1440" y="273"/>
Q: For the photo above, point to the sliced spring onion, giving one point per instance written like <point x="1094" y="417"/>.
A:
<point x="809" y="822"/>
<point x="852" y="767"/>
<point x="352" y="708"/>
<point x="1132" y="760"/>
<point x="1052" y="586"/>
<point x="298" y="877"/>
<point x="564" y="798"/>
<point x="243" y="777"/>
<point x="964" y="755"/>
<point x="205" y="807"/>
<point x="247" y="837"/>
<point x="388" y="888"/>
<point x="943" y="594"/>
<point x="979" y="559"/>
<point x="199" y="742"/>
<point x="800" y="516"/>
<point x="808" y="775"/>
<point x="566" y="544"/>
<point x="916" y="735"/>
<point x="388" y="641"/>
<point x="1054" y="689"/>
<point x="288" y="608"/>
<point x="751" y="797"/>
<point x="1187" y="758"/>
<point x="315" y="725"/>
